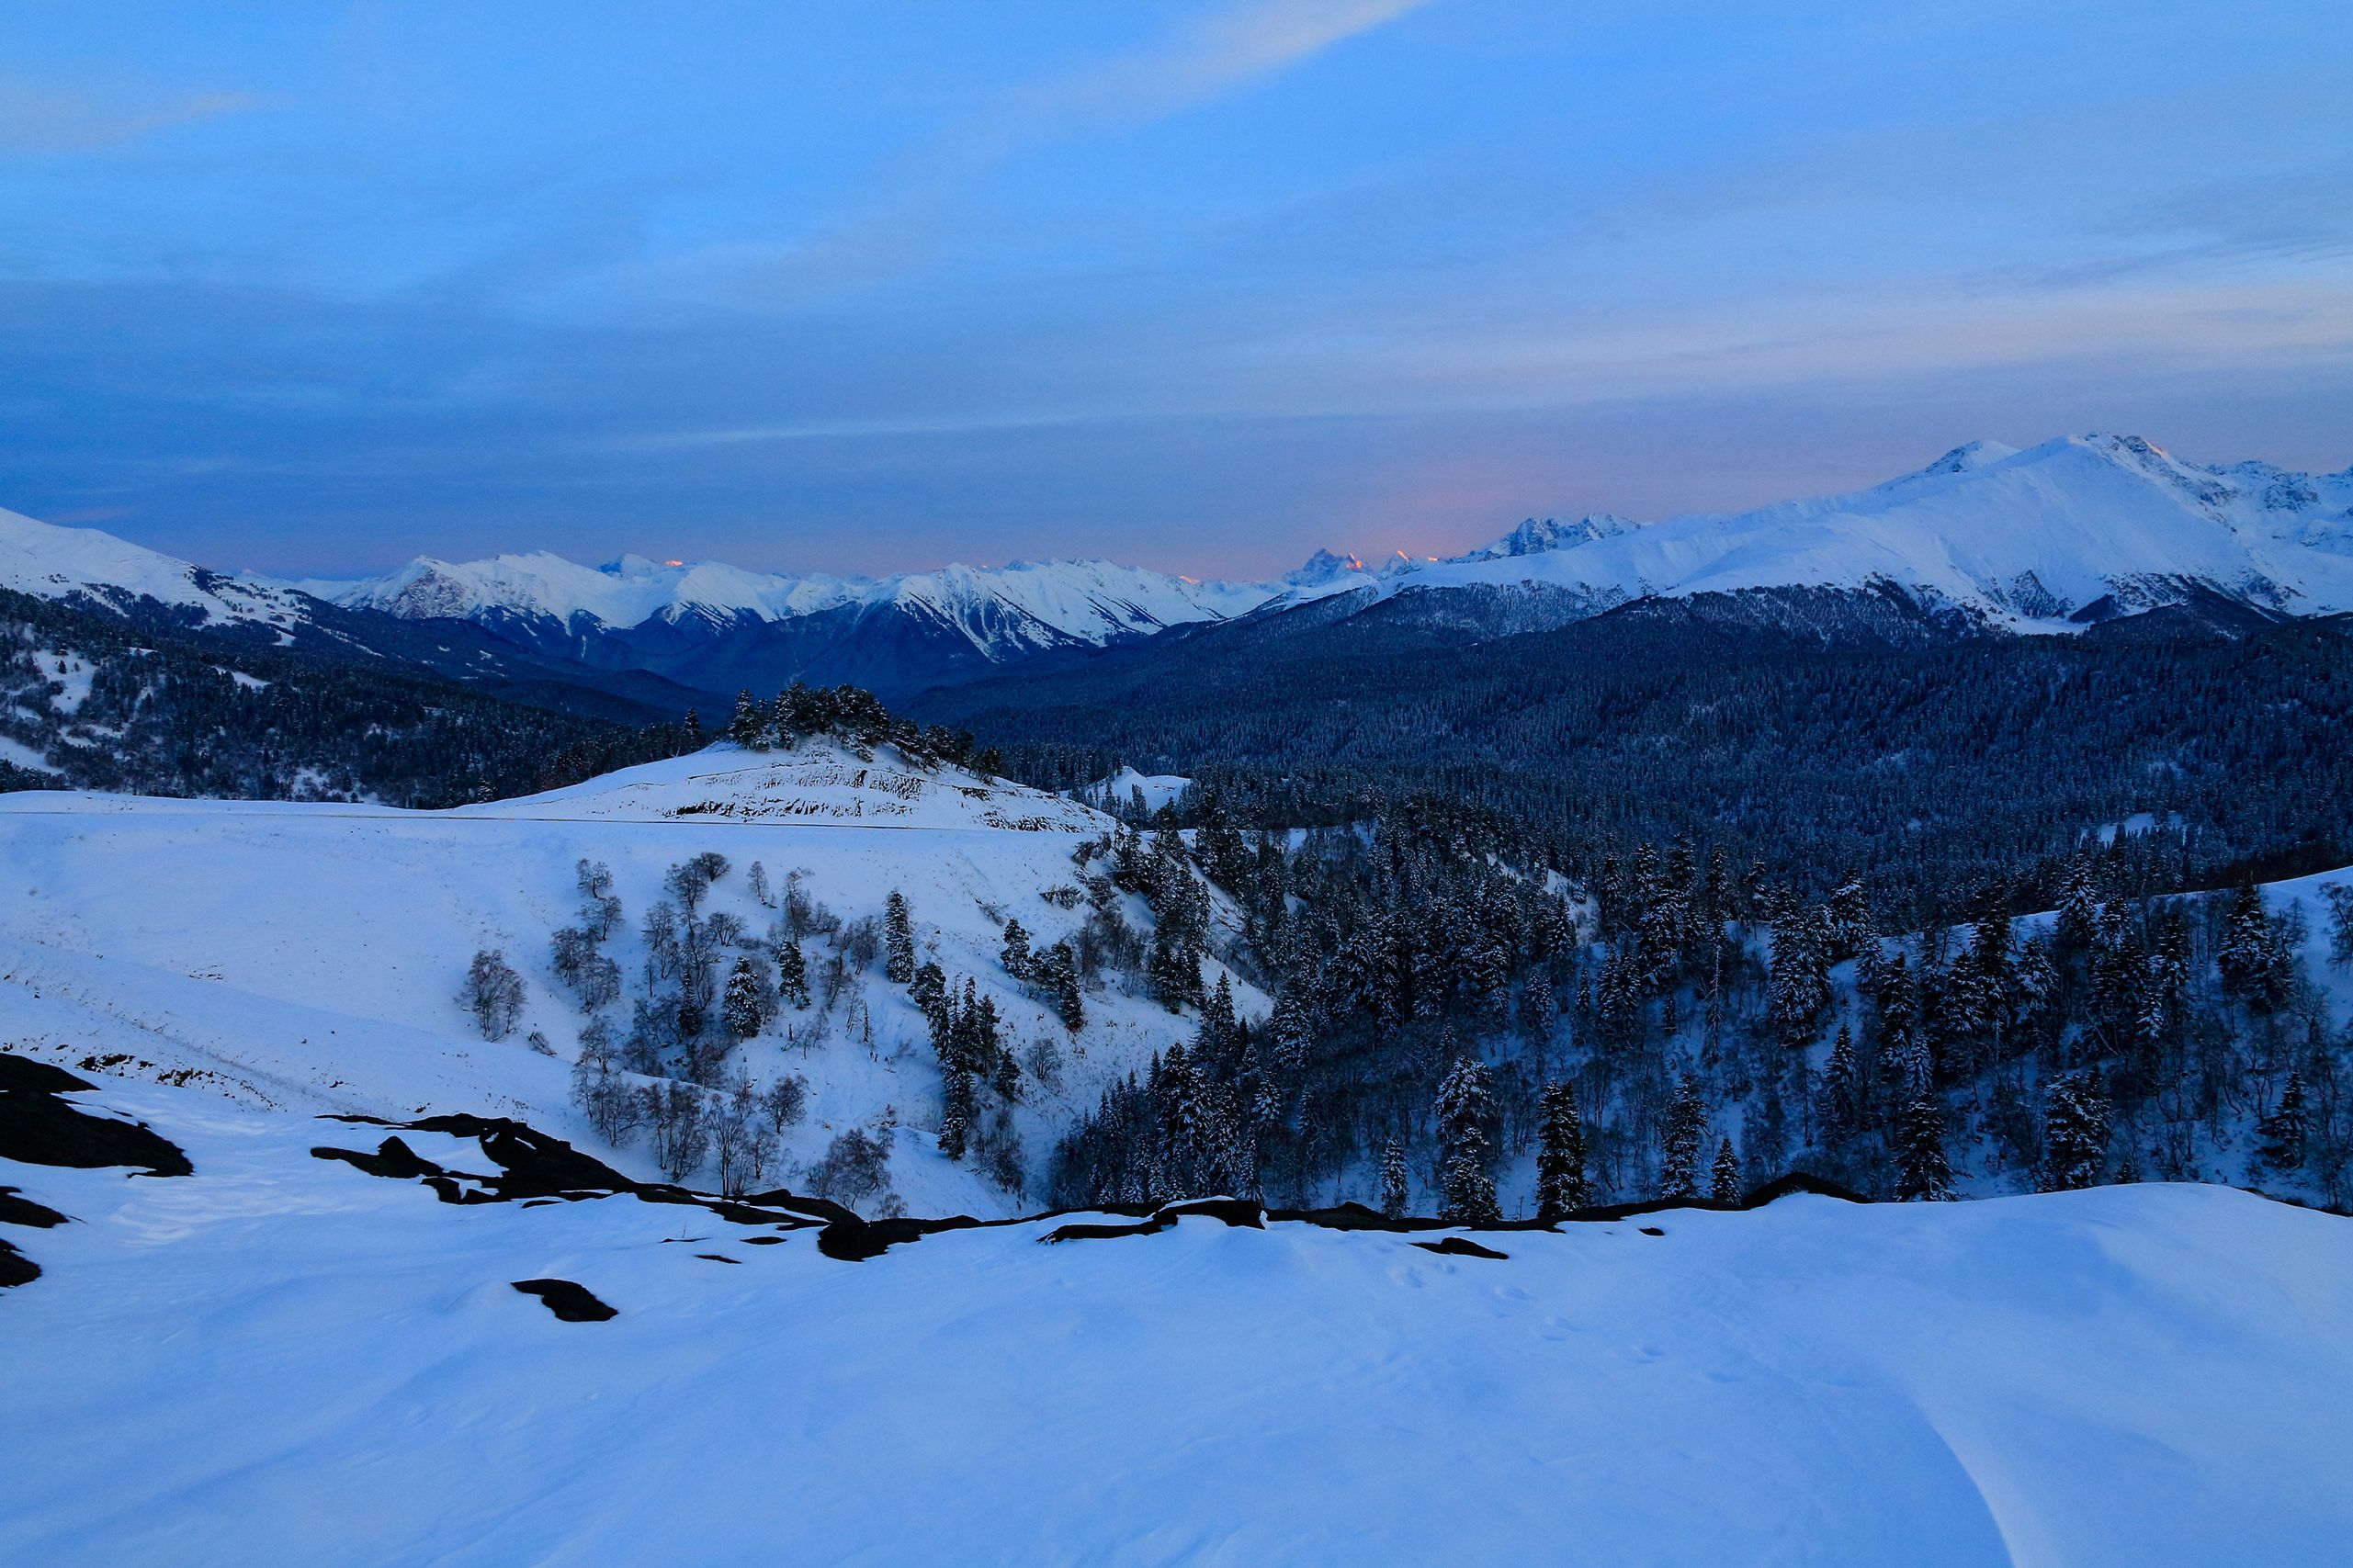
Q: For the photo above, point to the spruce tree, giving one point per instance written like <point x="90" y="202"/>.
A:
<point x="1057" y="977"/>
<point x="1686" y="1125"/>
<point x="749" y="1003"/>
<point x="1842" y="1089"/>
<point x="2283" y="1132"/>
<point x="1723" y="1181"/>
<point x="1464" y="1109"/>
<point x="1015" y="954"/>
<point x="792" y="975"/>
<point x="897" y="940"/>
<point x="2254" y="963"/>
<point x="929" y="991"/>
<point x="745" y="727"/>
<point x="955" y="1113"/>
<point x="2075" y="1133"/>
<point x="1561" y="1187"/>
<point x="1396" y="1186"/>
<point x="1923" y="1172"/>
<point x="2078" y="908"/>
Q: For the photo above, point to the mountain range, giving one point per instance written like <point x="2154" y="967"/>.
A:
<point x="1986" y="538"/>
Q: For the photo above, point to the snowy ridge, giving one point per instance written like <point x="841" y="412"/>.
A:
<point x="50" y="562"/>
<point x="2078" y="528"/>
<point x="1004" y="611"/>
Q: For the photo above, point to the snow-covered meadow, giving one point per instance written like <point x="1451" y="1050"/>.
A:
<point x="282" y="1359"/>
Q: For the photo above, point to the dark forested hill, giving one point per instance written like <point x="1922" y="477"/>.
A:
<point x="138" y="700"/>
<point x="1933" y="759"/>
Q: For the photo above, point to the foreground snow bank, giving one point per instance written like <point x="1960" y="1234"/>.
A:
<point x="281" y="1358"/>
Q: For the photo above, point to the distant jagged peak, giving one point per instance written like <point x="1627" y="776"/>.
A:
<point x="1971" y="454"/>
<point x="1325" y="566"/>
<point x="1536" y="536"/>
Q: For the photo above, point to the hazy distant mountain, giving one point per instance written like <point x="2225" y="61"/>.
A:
<point x="2077" y="530"/>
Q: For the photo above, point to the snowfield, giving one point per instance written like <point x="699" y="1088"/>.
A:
<point x="281" y="1358"/>
<point x="308" y="957"/>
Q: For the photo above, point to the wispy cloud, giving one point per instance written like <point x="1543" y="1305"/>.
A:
<point x="1192" y="66"/>
<point x="37" y="118"/>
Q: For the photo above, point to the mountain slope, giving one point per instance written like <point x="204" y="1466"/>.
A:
<point x="309" y="957"/>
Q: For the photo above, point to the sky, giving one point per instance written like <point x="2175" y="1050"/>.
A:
<point x="315" y="288"/>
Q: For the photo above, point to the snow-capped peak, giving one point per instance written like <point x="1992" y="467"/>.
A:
<point x="2081" y="525"/>
<point x="1535" y="538"/>
<point x="1324" y="565"/>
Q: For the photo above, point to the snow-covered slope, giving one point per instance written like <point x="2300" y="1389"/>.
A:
<point x="95" y="568"/>
<point x="2080" y="527"/>
<point x="280" y="1359"/>
<point x="308" y="957"/>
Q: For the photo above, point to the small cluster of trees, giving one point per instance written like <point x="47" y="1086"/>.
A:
<point x="854" y="716"/>
<point x="980" y="1077"/>
<point x="1051" y="976"/>
<point x="687" y="1124"/>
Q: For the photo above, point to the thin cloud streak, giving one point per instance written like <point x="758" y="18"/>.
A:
<point x="909" y="227"/>
<point x="44" y="120"/>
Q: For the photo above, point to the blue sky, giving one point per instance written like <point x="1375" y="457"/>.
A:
<point x="316" y="288"/>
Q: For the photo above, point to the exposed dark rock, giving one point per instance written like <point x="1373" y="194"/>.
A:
<point x="1082" y="1231"/>
<point x="570" y="1302"/>
<point x="18" y="1210"/>
<point x="1459" y="1247"/>
<point x="1799" y="1181"/>
<point x="392" y="1158"/>
<point x="855" y="1240"/>
<point x="39" y="1128"/>
<point x="535" y="1168"/>
<point x="1233" y="1211"/>
<point x="15" y="1268"/>
<point x="22" y="1074"/>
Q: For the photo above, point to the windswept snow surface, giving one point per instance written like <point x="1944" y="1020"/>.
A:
<point x="282" y="1359"/>
<point x="308" y="957"/>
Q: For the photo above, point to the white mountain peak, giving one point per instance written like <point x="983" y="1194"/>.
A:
<point x="2014" y="534"/>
